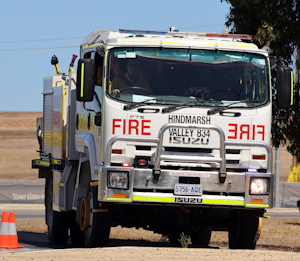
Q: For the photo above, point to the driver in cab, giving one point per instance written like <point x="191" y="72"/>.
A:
<point x="133" y="81"/>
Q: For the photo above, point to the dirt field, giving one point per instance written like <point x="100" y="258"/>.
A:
<point x="18" y="146"/>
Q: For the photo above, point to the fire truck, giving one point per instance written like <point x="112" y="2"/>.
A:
<point x="165" y="131"/>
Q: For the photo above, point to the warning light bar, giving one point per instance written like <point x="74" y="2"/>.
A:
<point x="141" y="32"/>
<point x="234" y="36"/>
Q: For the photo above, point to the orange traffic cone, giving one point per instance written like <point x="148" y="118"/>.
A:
<point x="13" y="231"/>
<point x="5" y="238"/>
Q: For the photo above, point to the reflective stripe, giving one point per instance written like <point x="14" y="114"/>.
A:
<point x="92" y="46"/>
<point x="145" y="198"/>
<point x="82" y="79"/>
<point x="42" y="163"/>
<point x="257" y="205"/>
<point x="55" y="161"/>
<point x="119" y="199"/>
<point x="55" y="188"/>
<point x="223" y="202"/>
<point x="94" y="183"/>
<point x="292" y="87"/>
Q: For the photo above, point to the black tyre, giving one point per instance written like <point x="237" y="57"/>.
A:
<point x="97" y="232"/>
<point x="77" y="237"/>
<point x="243" y="231"/>
<point x="201" y="236"/>
<point x="56" y="221"/>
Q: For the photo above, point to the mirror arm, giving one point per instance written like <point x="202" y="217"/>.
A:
<point x="282" y="117"/>
<point x="97" y="116"/>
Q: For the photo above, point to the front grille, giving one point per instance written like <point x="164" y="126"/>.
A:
<point x="143" y="148"/>
<point x="193" y="150"/>
<point x="231" y="151"/>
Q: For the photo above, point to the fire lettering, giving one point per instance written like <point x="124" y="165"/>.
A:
<point x="131" y="126"/>
<point x="115" y="125"/>
<point x="244" y="131"/>
<point x="234" y="130"/>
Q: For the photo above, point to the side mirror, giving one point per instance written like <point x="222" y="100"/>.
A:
<point x="86" y="79"/>
<point x="284" y="87"/>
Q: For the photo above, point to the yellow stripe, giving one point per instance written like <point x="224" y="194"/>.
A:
<point x="42" y="163"/>
<point x="223" y="202"/>
<point x="94" y="45"/>
<point x="82" y="79"/>
<point x="94" y="183"/>
<point x="257" y="205"/>
<point x="56" y="138"/>
<point x="103" y="108"/>
<point x="54" y="161"/>
<point x="144" y="198"/>
<point x="52" y="138"/>
<point x="56" y="188"/>
<point x="63" y="152"/>
<point x="119" y="199"/>
<point x="292" y="87"/>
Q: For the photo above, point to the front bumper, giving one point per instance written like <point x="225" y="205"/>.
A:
<point x="143" y="188"/>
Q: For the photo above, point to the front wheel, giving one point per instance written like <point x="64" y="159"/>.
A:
<point x="94" y="221"/>
<point x="243" y="231"/>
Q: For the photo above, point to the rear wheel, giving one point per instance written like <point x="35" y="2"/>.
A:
<point x="75" y="232"/>
<point x="94" y="221"/>
<point x="243" y="231"/>
<point x="56" y="221"/>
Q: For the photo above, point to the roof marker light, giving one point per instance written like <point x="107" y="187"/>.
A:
<point x="234" y="36"/>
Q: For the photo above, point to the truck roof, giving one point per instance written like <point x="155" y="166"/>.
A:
<point x="171" y="39"/>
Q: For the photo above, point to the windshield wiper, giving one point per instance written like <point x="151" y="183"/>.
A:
<point x="133" y="105"/>
<point x="222" y="108"/>
<point x="173" y="107"/>
<point x="136" y="104"/>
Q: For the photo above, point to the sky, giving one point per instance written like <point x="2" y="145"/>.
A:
<point x="32" y="31"/>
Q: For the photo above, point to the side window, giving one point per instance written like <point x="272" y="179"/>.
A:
<point x="99" y="67"/>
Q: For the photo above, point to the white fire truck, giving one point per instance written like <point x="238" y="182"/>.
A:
<point x="167" y="131"/>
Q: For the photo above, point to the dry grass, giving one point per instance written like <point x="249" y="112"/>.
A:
<point x="280" y="234"/>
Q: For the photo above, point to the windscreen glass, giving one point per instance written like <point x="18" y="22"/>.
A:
<point x="197" y="77"/>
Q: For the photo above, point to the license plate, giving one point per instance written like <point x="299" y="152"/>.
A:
<point x="188" y="189"/>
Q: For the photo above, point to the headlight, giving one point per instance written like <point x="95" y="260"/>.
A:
<point x="259" y="186"/>
<point x="117" y="179"/>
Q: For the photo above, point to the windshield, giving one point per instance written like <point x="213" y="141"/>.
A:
<point x="183" y="76"/>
